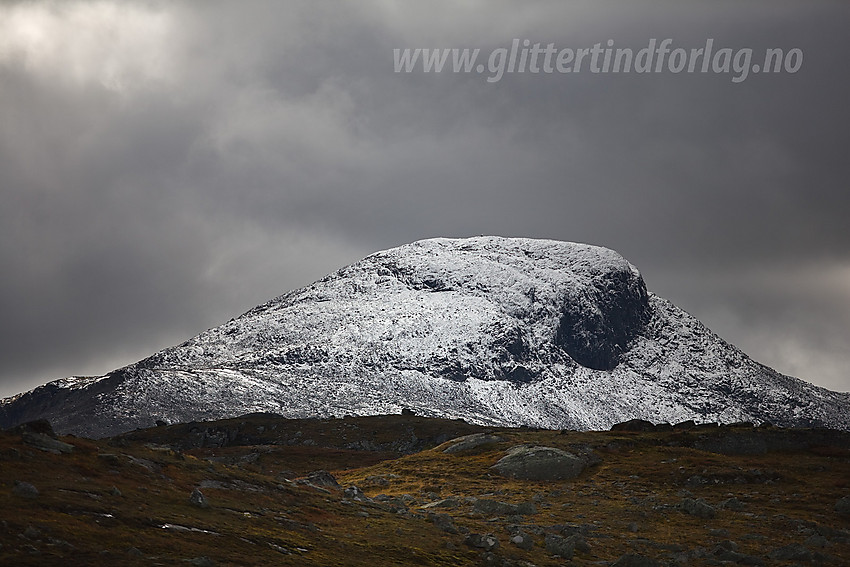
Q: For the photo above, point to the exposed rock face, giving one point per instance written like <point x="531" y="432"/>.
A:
<point x="496" y="331"/>
<point x="598" y="322"/>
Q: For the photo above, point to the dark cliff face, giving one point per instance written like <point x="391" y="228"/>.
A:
<point x="597" y="323"/>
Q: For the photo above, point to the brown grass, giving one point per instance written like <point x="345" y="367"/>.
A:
<point x="255" y="513"/>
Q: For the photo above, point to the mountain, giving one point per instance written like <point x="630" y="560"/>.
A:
<point x="496" y="331"/>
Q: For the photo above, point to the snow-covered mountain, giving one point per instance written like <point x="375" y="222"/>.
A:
<point x="502" y="331"/>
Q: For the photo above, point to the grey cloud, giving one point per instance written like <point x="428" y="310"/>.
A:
<point x="250" y="148"/>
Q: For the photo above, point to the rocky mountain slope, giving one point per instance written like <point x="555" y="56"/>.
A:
<point x="495" y="331"/>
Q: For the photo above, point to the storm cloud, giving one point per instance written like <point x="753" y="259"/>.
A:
<point x="165" y="166"/>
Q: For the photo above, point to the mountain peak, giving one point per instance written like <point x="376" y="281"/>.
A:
<point x="497" y="331"/>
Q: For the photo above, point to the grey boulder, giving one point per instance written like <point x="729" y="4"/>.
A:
<point x="539" y="463"/>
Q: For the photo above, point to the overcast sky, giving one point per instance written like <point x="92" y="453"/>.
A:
<point x="165" y="166"/>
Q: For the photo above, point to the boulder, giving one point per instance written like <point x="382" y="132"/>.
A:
<point x="444" y="522"/>
<point x="323" y="478"/>
<point x="580" y="543"/>
<point x="699" y="508"/>
<point x="522" y="540"/>
<point x="32" y="532"/>
<point x="560" y="546"/>
<point x="24" y="489"/>
<point x="354" y="493"/>
<point x="490" y="507"/>
<point x="733" y="504"/>
<point x="45" y="443"/>
<point x="198" y="499"/>
<point x="539" y="463"/>
<point x="448" y="503"/>
<point x="487" y="542"/>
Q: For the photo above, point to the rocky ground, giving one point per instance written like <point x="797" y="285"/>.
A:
<point x="406" y="490"/>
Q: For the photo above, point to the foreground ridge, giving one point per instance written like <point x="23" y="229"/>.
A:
<point x="403" y="489"/>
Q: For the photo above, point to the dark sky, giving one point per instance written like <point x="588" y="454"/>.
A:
<point x="165" y="166"/>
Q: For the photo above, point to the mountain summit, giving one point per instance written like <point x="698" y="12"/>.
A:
<point x="496" y="331"/>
